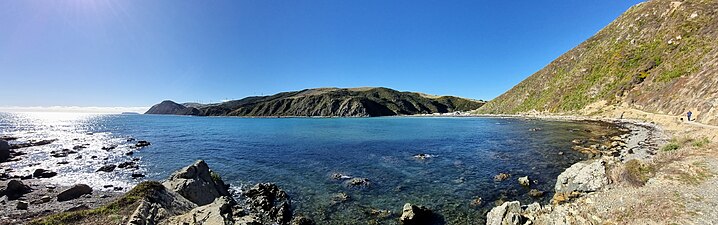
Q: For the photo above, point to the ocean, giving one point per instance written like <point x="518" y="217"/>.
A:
<point x="301" y="155"/>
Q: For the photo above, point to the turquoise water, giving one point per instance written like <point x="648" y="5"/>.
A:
<point x="301" y="154"/>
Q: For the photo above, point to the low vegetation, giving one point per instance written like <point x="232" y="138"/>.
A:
<point x="639" y="58"/>
<point x="111" y="213"/>
<point x="677" y="143"/>
<point x="637" y="173"/>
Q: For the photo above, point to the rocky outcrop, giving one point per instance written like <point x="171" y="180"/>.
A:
<point x="197" y="184"/>
<point x="74" y="192"/>
<point x="328" y="102"/>
<point x="218" y="212"/>
<point x="582" y="177"/>
<point x="158" y="204"/>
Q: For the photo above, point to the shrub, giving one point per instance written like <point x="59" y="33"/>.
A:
<point x="701" y="143"/>
<point x="637" y="173"/>
<point x="215" y="176"/>
<point x="671" y="146"/>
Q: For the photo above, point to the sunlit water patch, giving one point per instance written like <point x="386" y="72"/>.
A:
<point x="302" y="155"/>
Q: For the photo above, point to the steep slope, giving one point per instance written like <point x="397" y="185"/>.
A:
<point x="339" y="102"/>
<point x="170" y="107"/>
<point x="659" y="56"/>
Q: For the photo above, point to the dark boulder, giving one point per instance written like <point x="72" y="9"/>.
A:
<point x="141" y="144"/>
<point x="4" y="151"/>
<point x="74" y="192"/>
<point x="43" y="173"/>
<point x="15" y="189"/>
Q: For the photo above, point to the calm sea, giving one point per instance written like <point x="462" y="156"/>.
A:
<point x="301" y="154"/>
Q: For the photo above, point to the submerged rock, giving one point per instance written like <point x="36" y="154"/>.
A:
<point x="477" y="201"/>
<point x="197" y="183"/>
<point x="423" y="156"/>
<point x="358" y="182"/>
<point x="536" y="193"/>
<point x="502" y="176"/>
<point x="339" y="176"/>
<point x="340" y="197"/>
<point x="74" y="192"/>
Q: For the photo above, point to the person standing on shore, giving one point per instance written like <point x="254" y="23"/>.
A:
<point x="689" y="115"/>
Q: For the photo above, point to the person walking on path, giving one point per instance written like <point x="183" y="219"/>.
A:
<point x="689" y="115"/>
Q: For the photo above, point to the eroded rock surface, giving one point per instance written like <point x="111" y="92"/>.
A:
<point x="196" y="183"/>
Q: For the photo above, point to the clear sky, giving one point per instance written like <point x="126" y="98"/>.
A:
<point x="137" y="53"/>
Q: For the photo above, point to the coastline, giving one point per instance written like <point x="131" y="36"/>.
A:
<point x="640" y="133"/>
<point x="647" y="183"/>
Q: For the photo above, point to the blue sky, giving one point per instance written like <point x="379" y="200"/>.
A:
<point x="137" y="53"/>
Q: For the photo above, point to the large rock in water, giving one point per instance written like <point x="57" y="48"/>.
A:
<point x="196" y="183"/>
<point x="4" y="150"/>
<point x="416" y="215"/>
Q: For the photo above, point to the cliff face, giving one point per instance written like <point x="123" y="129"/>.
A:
<point x="170" y="107"/>
<point x="338" y="102"/>
<point x="660" y="56"/>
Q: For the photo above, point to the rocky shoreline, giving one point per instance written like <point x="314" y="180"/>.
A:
<point x="583" y="179"/>
<point x="271" y="205"/>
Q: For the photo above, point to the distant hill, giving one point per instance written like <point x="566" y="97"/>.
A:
<point x="170" y="107"/>
<point x="326" y="102"/>
<point x="660" y="56"/>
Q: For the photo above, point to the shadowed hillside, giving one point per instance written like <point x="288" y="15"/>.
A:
<point x="659" y="56"/>
<point x="328" y="102"/>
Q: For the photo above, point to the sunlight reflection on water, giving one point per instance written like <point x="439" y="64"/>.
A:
<point x="71" y="133"/>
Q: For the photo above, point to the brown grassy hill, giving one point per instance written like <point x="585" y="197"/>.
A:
<point x="660" y="56"/>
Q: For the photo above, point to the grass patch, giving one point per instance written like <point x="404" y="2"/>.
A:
<point x="701" y="142"/>
<point x="671" y="146"/>
<point x="637" y="173"/>
<point x="675" y="144"/>
<point x="133" y="196"/>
